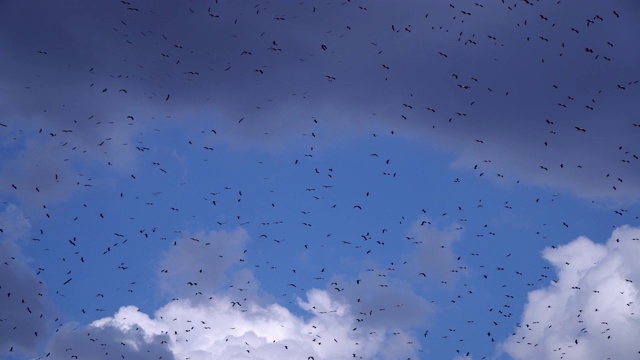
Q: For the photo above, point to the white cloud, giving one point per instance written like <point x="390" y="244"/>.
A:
<point x="595" y="301"/>
<point x="111" y="341"/>
<point x="227" y="328"/>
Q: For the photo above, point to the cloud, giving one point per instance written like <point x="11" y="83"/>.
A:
<point x="26" y="314"/>
<point x="108" y="340"/>
<point x="200" y="262"/>
<point x="592" y="309"/>
<point x="434" y="253"/>
<point x="228" y="328"/>
<point x="205" y="320"/>
<point x="92" y="52"/>
<point x="39" y="171"/>
<point x="382" y="299"/>
<point x="44" y="159"/>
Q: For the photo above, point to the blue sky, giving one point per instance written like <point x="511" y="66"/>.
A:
<point x="374" y="180"/>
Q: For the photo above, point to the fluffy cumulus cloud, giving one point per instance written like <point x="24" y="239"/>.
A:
<point x="592" y="309"/>
<point x="228" y="328"/>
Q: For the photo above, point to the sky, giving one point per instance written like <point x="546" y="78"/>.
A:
<point x="319" y="180"/>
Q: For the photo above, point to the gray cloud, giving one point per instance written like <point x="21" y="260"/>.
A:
<point x="26" y="315"/>
<point x="381" y="300"/>
<point x="434" y="255"/>
<point x="107" y="342"/>
<point x="201" y="262"/>
<point x="165" y="49"/>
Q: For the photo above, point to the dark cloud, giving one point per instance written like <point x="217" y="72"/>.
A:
<point x="26" y="315"/>
<point x="214" y="64"/>
<point x="518" y="91"/>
